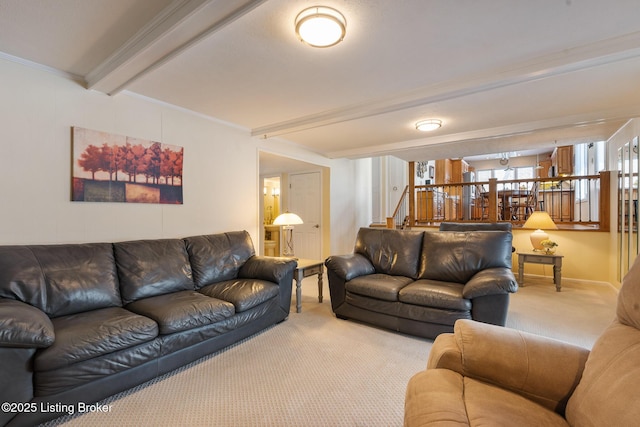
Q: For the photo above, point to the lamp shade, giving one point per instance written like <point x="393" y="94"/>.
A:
<point x="539" y="220"/>
<point x="287" y="218"/>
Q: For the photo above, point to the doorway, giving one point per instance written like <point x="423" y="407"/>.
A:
<point x="305" y="201"/>
<point x="313" y="236"/>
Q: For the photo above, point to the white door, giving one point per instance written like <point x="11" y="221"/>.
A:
<point x="305" y="201"/>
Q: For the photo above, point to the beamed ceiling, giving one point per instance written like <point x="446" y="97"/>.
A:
<point x="502" y="75"/>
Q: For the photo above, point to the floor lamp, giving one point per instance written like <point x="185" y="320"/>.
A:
<point x="288" y="220"/>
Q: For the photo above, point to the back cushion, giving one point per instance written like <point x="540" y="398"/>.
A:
<point x="60" y="279"/>
<point x="604" y="395"/>
<point x="218" y="257"/>
<point x="148" y="268"/>
<point x="394" y="252"/>
<point x="454" y="256"/>
<point x="607" y="392"/>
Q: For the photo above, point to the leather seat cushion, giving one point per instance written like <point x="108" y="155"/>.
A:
<point x="183" y="310"/>
<point x="441" y="396"/>
<point x="92" y="334"/>
<point x="379" y="286"/>
<point x="244" y="294"/>
<point x="433" y="293"/>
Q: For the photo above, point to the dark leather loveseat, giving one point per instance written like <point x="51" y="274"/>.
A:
<point x="80" y="322"/>
<point x="421" y="282"/>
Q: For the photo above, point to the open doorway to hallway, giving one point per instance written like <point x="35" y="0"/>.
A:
<point x="303" y="190"/>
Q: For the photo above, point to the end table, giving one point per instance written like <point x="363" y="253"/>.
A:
<point x="541" y="258"/>
<point x="306" y="268"/>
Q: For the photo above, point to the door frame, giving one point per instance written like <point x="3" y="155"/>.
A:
<point x="284" y="166"/>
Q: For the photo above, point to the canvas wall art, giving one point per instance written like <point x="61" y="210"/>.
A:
<point x="116" y="168"/>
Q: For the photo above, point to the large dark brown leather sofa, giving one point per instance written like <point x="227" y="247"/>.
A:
<point x="80" y="322"/>
<point x="421" y="282"/>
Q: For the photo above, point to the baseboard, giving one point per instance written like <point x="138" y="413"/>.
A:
<point x="583" y="281"/>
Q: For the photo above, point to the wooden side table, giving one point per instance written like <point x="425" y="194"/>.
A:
<point x="541" y="258"/>
<point x="306" y="268"/>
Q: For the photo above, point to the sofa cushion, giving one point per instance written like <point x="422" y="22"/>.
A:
<point x="244" y="294"/>
<point x="611" y="371"/>
<point x="444" y="397"/>
<point x="433" y="293"/>
<point x="91" y="334"/>
<point x="60" y="279"/>
<point x="453" y="256"/>
<point x="218" y="257"/>
<point x="149" y="268"/>
<point x="182" y="310"/>
<point x="379" y="286"/>
<point x="394" y="252"/>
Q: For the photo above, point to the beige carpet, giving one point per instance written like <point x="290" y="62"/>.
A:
<point x="316" y="370"/>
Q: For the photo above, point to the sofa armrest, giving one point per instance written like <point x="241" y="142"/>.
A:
<point x="490" y="281"/>
<point x="350" y="266"/>
<point x="273" y="269"/>
<point x="541" y="369"/>
<point x="24" y="326"/>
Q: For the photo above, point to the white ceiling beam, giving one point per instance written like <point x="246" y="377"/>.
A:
<point x="551" y="128"/>
<point x="178" y="27"/>
<point x="555" y="64"/>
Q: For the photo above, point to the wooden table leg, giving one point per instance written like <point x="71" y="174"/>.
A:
<point x="520" y="270"/>
<point x="320" y="285"/>
<point x="557" y="274"/>
<point x="299" y="278"/>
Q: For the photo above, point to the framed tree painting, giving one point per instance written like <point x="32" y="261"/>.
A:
<point x="116" y="168"/>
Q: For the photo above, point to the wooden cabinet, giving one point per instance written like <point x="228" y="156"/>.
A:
<point x="559" y="204"/>
<point x="562" y="159"/>
<point x="430" y="206"/>
<point x="443" y="171"/>
<point x="458" y="167"/>
<point x="545" y="166"/>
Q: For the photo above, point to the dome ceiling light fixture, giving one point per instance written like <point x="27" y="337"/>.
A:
<point x="428" y="125"/>
<point x="321" y="26"/>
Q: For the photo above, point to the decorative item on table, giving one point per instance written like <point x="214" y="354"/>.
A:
<point x="549" y="246"/>
<point x="539" y="221"/>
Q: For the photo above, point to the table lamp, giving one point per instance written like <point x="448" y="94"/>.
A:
<point x="287" y="220"/>
<point x="539" y="220"/>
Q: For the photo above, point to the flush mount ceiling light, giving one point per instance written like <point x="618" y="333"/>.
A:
<point x="321" y="26"/>
<point x="428" y="125"/>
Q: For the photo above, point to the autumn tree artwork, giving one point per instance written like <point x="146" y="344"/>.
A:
<point x="115" y="168"/>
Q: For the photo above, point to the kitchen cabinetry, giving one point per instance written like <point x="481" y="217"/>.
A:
<point x="430" y="206"/>
<point x="443" y="171"/>
<point x="562" y="160"/>
<point x="545" y="169"/>
<point x="559" y="204"/>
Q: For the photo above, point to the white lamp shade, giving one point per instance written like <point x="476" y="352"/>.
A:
<point x="287" y="218"/>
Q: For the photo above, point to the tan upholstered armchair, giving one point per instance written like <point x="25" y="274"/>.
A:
<point x="486" y="375"/>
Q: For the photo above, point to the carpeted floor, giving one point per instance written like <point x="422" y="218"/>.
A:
<point x="316" y="370"/>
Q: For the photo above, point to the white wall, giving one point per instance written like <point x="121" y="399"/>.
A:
<point x="624" y="135"/>
<point x="221" y="183"/>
